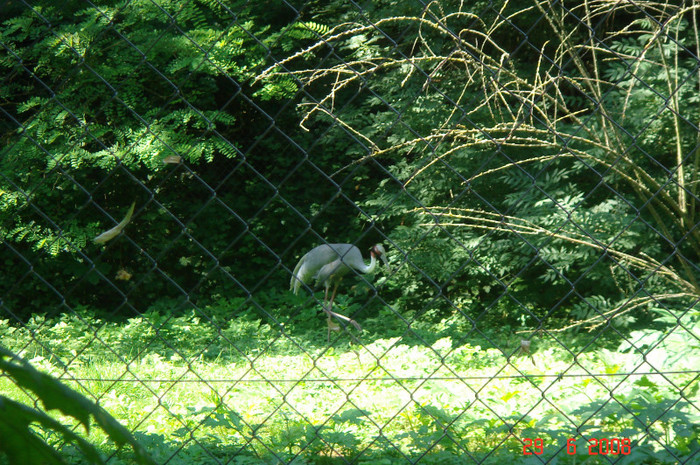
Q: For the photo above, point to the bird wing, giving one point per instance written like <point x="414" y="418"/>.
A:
<point x="310" y="265"/>
<point x="301" y="275"/>
<point x="336" y="268"/>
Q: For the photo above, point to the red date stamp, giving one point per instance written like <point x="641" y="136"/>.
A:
<point x="596" y="446"/>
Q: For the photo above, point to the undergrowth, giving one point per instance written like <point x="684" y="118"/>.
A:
<point x="202" y="387"/>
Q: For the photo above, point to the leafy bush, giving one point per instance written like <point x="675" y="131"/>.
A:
<point x="109" y="104"/>
<point x="568" y="165"/>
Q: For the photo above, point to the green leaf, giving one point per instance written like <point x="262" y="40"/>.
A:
<point x="55" y="395"/>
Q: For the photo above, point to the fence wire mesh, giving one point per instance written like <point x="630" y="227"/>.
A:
<point x="184" y="184"/>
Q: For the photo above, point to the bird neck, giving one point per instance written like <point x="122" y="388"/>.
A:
<point x="372" y="263"/>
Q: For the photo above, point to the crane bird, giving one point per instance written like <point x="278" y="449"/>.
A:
<point x="328" y="263"/>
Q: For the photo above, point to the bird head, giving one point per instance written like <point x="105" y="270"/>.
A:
<point x="378" y="251"/>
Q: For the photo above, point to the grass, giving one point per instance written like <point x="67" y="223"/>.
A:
<point x="198" y="390"/>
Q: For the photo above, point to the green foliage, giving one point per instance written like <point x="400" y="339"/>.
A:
<point x="560" y="168"/>
<point x="112" y="103"/>
<point x="22" y="445"/>
<point x="536" y="186"/>
<point x="287" y="398"/>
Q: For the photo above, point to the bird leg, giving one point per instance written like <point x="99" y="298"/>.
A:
<point x="332" y="326"/>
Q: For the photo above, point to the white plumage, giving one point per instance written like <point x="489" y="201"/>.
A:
<point x="330" y="262"/>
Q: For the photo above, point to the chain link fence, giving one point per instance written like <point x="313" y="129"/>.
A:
<point x="530" y="168"/>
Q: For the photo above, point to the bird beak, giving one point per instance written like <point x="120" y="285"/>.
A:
<point x="385" y="261"/>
